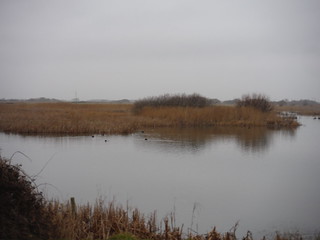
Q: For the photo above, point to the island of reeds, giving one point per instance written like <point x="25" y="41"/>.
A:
<point x="26" y="214"/>
<point x="178" y="110"/>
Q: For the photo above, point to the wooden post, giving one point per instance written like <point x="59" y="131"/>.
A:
<point x="73" y="206"/>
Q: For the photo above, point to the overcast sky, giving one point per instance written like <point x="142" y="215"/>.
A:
<point x="115" y="49"/>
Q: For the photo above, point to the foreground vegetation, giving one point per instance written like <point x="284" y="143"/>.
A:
<point x="26" y="214"/>
<point x="23" y="212"/>
<point x="163" y="111"/>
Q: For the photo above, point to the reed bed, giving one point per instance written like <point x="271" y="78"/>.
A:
<point x="103" y="220"/>
<point x="113" y="221"/>
<point x="216" y="116"/>
<point x="85" y="118"/>
<point x="66" y="118"/>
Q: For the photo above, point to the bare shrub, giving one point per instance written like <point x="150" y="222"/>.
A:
<point x="167" y="100"/>
<point x="256" y="101"/>
<point x="23" y="212"/>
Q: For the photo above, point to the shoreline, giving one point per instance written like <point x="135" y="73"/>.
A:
<point x="118" y="119"/>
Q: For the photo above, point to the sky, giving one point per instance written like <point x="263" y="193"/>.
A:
<point x="131" y="49"/>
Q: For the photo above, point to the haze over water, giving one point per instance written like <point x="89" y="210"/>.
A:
<point x="268" y="180"/>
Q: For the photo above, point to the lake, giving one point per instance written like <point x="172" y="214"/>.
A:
<point x="268" y="180"/>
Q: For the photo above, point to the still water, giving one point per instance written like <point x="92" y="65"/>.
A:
<point x="268" y="180"/>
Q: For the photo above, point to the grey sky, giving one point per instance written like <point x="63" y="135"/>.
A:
<point x="114" y="49"/>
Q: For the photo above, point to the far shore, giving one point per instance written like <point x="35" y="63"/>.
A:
<point x="109" y="118"/>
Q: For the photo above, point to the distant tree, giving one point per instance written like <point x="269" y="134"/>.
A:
<point x="283" y="102"/>
<point x="256" y="101"/>
<point x="177" y="100"/>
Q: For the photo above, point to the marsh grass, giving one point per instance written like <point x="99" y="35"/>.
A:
<point x="216" y="116"/>
<point x="109" y="220"/>
<point x="85" y="118"/>
<point x="101" y="221"/>
<point x="66" y="118"/>
<point x="112" y="221"/>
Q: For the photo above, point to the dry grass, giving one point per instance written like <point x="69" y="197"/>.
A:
<point x="66" y="118"/>
<point x="102" y="221"/>
<point x="82" y="119"/>
<point x="216" y="116"/>
<point x="112" y="221"/>
<point x="107" y="219"/>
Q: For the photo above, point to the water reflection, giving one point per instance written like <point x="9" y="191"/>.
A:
<point x="260" y="139"/>
<point x="195" y="139"/>
<point x="213" y="167"/>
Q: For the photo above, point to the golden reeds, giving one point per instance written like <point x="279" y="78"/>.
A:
<point x="82" y="119"/>
<point x="215" y="116"/>
<point x="102" y="221"/>
<point x="107" y="219"/>
<point x="66" y="118"/>
<point x="111" y="221"/>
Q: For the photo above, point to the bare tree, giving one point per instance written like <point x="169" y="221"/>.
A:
<point x="257" y="101"/>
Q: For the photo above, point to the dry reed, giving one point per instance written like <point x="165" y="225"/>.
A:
<point x="83" y="119"/>
<point x="216" y="116"/>
<point x="105" y="220"/>
<point x="66" y="118"/>
<point x="102" y="221"/>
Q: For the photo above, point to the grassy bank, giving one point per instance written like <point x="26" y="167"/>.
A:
<point x="84" y="118"/>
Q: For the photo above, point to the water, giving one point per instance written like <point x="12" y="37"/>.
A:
<point x="268" y="180"/>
